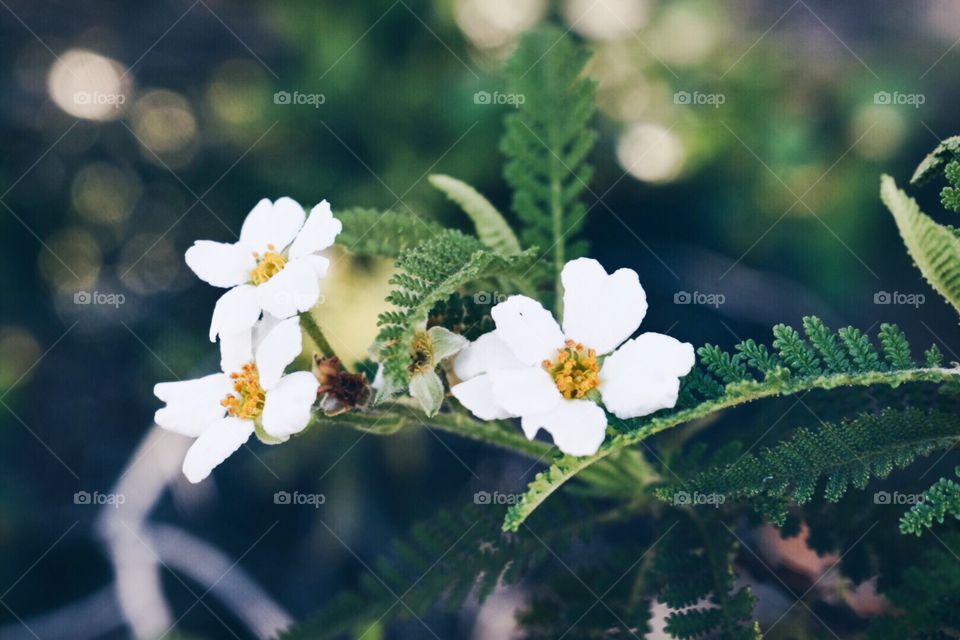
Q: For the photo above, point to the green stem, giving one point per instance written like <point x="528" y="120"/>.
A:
<point x="313" y="330"/>
<point x="556" y="212"/>
<point x="499" y="434"/>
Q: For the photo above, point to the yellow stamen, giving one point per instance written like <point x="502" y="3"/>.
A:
<point x="576" y="370"/>
<point x="248" y="398"/>
<point x="421" y="353"/>
<point x="268" y="265"/>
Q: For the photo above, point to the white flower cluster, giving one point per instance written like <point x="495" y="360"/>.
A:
<point x="271" y="274"/>
<point x="564" y="380"/>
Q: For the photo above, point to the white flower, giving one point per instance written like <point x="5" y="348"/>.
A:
<point x="251" y="395"/>
<point x="274" y="267"/>
<point x="552" y="379"/>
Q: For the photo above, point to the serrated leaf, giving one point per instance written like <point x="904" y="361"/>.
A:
<point x="492" y="228"/>
<point x="935" y="248"/>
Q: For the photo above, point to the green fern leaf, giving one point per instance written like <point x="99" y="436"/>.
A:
<point x="827" y="344"/>
<point x="383" y="233"/>
<point x="547" y="141"/>
<point x="492" y="229"/>
<point x="936" y="160"/>
<point x="934" y="247"/>
<point x="849" y="453"/>
<point x="896" y="349"/>
<point x="430" y="273"/>
<point x="939" y="501"/>
<point x="710" y="388"/>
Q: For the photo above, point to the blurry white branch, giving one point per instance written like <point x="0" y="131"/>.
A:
<point x="140" y="551"/>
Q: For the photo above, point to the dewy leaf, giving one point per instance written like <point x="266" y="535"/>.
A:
<point x="492" y="228"/>
<point x="935" y="248"/>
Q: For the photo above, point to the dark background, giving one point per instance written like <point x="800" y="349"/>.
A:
<point x="769" y="199"/>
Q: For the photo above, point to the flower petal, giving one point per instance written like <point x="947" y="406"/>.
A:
<point x="287" y="409"/>
<point x="237" y="310"/>
<point x="320" y="264"/>
<point x="278" y="349"/>
<point x="192" y="405"/>
<point x="524" y="391"/>
<point x="642" y="376"/>
<point x="486" y="353"/>
<point x="528" y="329"/>
<point x="577" y="426"/>
<point x="219" y="263"/>
<point x="318" y="232"/>
<point x="275" y="223"/>
<point x="476" y="394"/>
<point x="294" y="289"/>
<point x="215" y="445"/>
<point x="601" y="310"/>
<point x="236" y="350"/>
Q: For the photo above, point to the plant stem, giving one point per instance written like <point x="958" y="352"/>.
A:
<point x="499" y="434"/>
<point x="313" y="330"/>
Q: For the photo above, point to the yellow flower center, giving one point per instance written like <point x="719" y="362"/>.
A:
<point x="268" y="265"/>
<point x="247" y="400"/>
<point x="575" y="370"/>
<point x="421" y="353"/>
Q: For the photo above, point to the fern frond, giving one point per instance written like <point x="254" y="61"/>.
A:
<point x="492" y="229"/>
<point x="430" y="273"/>
<point x="383" y="233"/>
<point x="849" y="453"/>
<point x="694" y="563"/>
<point x="896" y="349"/>
<point x="939" y="501"/>
<point x="548" y="139"/>
<point x="722" y="381"/>
<point x="926" y="601"/>
<point x="935" y="160"/>
<point x="935" y="248"/>
<point x="950" y="196"/>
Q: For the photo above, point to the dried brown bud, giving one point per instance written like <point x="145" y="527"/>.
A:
<point x="339" y="390"/>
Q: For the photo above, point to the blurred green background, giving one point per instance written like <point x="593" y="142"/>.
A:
<point x="737" y="171"/>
